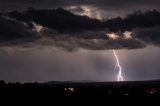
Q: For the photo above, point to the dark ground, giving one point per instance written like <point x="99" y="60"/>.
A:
<point x="83" y="93"/>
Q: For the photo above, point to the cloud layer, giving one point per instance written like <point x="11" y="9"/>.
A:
<point x="62" y="29"/>
<point x="107" y="8"/>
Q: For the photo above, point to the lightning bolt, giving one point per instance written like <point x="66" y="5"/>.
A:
<point x="120" y="74"/>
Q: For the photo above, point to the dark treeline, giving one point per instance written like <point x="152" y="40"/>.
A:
<point x="67" y="88"/>
<point x="84" y="92"/>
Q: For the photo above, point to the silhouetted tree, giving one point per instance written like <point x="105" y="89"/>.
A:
<point x="2" y="83"/>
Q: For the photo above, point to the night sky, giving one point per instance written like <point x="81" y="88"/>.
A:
<point x="73" y="40"/>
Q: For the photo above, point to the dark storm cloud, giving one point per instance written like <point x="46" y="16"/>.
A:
<point x="64" y="21"/>
<point x="150" y="35"/>
<point x="11" y="30"/>
<point x="99" y="3"/>
<point x="91" y="44"/>
<point x="50" y="28"/>
<point x="15" y="33"/>
<point x="108" y="8"/>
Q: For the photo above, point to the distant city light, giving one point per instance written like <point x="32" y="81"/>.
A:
<point x="69" y="89"/>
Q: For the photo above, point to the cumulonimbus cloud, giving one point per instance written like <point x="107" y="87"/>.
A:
<point x="62" y="29"/>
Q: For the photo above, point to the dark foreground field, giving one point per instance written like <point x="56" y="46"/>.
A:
<point x="82" y="93"/>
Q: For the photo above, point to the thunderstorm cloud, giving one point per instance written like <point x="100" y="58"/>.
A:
<point x="48" y="27"/>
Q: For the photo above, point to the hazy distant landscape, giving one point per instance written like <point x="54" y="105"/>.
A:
<point x="69" y="88"/>
<point x="104" y="92"/>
